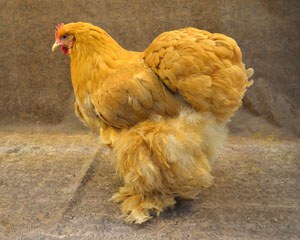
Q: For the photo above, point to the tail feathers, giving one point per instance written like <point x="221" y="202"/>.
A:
<point x="249" y="73"/>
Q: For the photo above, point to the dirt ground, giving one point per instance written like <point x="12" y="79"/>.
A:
<point x="56" y="185"/>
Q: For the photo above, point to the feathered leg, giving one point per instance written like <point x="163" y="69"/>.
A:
<point x="161" y="159"/>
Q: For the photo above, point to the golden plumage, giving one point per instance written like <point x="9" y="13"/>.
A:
<point x="205" y="68"/>
<point x="163" y="111"/>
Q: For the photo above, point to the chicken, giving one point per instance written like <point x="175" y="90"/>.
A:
<point x="162" y="111"/>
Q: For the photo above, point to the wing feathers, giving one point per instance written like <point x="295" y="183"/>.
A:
<point x="129" y="97"/>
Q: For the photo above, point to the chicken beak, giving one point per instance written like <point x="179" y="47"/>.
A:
<point x="55" y="45"/>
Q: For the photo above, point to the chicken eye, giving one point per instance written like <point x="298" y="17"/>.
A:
<point x="64" y="37"/>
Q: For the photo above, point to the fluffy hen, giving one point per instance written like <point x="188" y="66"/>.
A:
<point x="163" y="111"/>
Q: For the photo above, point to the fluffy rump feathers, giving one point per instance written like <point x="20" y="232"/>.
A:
<point x="161" y="159"/>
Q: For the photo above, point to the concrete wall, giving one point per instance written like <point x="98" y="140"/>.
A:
<point x="35" y="83"/>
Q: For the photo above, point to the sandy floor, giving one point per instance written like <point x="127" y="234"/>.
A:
<point x="56" y="185"/>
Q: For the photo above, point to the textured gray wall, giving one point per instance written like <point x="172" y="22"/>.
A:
<point x="35" y="84"/>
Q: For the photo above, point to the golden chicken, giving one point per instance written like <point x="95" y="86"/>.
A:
<point x="163" y="111"/>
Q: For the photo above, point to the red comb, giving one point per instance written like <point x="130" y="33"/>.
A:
<point x="58" y="26"/>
